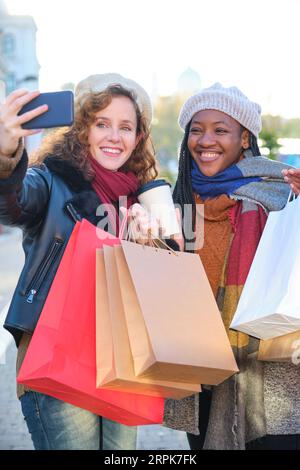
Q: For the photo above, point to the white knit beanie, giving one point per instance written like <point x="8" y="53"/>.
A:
<point x="99" y="82"/>
<point x="230" y="101"/>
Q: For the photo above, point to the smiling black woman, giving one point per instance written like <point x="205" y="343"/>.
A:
<point x="220" y="167"/>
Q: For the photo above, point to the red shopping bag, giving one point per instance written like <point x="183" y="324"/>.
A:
<point x="61" y="358"/>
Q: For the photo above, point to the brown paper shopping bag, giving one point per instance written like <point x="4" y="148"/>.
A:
<point x="281" y="349"/>
<point x="175" y="329"/>
<point x="115" y="368"/>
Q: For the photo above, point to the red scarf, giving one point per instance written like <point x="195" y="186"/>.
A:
<point x="109" y="186"/>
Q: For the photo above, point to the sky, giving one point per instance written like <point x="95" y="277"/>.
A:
<point x="252" y="44"/>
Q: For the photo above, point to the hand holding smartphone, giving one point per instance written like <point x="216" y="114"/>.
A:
<point x="60" y="110"/>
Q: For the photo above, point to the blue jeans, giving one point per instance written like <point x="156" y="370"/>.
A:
<point x="56" y="425"/>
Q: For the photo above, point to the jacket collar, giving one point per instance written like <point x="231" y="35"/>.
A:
<point x="71" y="175"/>
<point x="85" y="201"/>
<point x="84" y="205"/>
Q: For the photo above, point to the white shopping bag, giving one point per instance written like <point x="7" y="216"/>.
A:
<point x="270" y="302"/>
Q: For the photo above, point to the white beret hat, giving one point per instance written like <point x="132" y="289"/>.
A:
<point x="99" y="82"/>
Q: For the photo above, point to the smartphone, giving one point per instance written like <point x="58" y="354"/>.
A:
<point x="60" y="110"/>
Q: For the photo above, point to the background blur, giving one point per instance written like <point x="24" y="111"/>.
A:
<point x="173" y="48"/>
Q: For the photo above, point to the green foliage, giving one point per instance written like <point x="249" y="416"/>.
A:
<point x="271" y="131"/>
<point x="291" y="128"/>
<point x="272" y="123"/>
<point x="165" y="173"/>
<point x="166" y="133"/>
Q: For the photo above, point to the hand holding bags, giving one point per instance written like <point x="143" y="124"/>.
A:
<point x="270" y="303"/>
<point x="177" y="333"/>
<point x="61" y="358"/>
<point x="114" y="359"/>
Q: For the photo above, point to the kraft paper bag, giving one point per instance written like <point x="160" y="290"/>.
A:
<point x="115" y="368"/>
<point x="269" y="305"/>
<point x="175" y="330"/>
<point x="61" y="357"/>
<point x="282" y="349"/>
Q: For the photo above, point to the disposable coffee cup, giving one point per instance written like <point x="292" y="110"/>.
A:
<point x="156" y="197"/>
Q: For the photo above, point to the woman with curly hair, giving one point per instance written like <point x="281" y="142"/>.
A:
<point x="100" y="160"/>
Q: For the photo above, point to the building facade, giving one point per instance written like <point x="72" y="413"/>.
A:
<point x="19" y="67"/>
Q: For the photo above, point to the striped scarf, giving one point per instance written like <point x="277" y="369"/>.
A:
<point x="237" y="411"/>
<point x="225" y="182"/>
<point x="248" y="221"/>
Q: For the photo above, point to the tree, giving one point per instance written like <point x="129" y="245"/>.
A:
<point x="291" y="128"/>
<point x="166" y="132"/>
<point x="271" y="131"/>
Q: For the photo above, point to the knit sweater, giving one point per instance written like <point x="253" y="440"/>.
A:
<point x="217" y="234"/>
<point x="281" y="381"/>
<point x="272" y="389"/>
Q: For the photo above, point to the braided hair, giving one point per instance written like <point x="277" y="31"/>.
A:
<point x="183" y="191"/>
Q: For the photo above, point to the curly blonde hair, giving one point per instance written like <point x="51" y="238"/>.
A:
<point x="71" y="143"/>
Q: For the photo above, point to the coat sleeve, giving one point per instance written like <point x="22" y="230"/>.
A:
<point x="8" y="164"/>
<point x="24" y="194"/>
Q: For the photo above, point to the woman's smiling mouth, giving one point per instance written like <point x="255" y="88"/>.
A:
<point x="208" y="156"/>
<point x="111" y="151"/>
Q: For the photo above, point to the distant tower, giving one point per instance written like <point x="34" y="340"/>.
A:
<point x="189" y="82"/>
<point x="19" y="67"/>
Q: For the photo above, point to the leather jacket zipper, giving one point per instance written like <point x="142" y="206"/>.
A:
<point x="73" y="213"/>
<point x="43" y="270"/>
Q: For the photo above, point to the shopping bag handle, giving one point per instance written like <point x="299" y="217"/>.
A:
<point x="159" y="243"/>
<point x="154" y="242"/>
<point x="291" y="197"/>
<point x="123" y="223"/>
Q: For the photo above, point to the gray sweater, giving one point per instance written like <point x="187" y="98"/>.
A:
<point x="262" y="398"/>
<point x="282" y="398"/>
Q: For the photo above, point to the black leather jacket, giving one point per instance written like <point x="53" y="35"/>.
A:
<point x="45" y="203"/>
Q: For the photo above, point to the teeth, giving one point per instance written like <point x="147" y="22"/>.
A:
<point x="106" y="149"/>
<point x="210" y="155"/>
